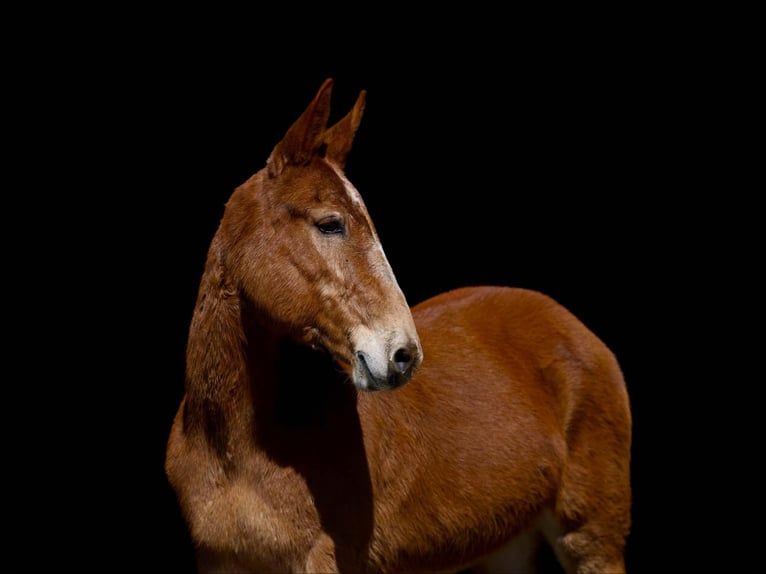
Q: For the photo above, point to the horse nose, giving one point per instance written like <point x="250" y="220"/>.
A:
<point x="388" y="365"/>
<point x="404" y="361"/>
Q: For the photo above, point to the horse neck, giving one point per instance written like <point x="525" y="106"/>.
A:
<point x="223" y="358"/>
<point x="246" y="379"/>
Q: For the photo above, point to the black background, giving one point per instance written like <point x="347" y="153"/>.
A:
<point x="594" y="157"/>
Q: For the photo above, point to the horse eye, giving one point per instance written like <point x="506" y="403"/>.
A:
<point x="331" y="226"/>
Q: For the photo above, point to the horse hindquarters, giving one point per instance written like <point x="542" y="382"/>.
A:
<point x="594" y="501"/>
<point x="591" y="518"/>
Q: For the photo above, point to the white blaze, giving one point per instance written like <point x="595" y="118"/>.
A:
<point x="378" y="256"/>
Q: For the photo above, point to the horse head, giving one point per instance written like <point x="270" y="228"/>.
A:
<point x="303" y="250"/>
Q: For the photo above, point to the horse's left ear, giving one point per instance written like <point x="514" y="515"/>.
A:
<point x="304" y="138"/>
<point x="339" y="138"/>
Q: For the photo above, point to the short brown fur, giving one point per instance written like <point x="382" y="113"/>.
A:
<point x="498" y="415"/>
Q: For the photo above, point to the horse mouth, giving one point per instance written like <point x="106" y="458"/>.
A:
<point x="373" y="369"/>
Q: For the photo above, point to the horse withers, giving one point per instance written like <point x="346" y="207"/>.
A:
<point x="326" y="426"/>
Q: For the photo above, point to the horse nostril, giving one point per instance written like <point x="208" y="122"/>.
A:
<point x="402" y="360"/>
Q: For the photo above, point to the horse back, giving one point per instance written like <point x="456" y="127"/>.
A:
<point x="517" y="338"/>
<point x="526" y="358"/>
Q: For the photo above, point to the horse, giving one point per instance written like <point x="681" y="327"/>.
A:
<point x="328" y="426"/>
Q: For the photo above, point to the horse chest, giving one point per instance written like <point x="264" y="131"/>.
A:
<point x="263" y="518"/>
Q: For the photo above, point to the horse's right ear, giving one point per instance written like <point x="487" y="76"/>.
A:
<point x="304" y="137"/>
<point x="340" y="137"/>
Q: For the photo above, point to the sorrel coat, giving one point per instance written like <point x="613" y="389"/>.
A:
<point x="328" y="427"/>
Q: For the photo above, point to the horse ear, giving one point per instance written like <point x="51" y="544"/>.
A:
<point x="304" y="137"/>
<point x="340" y="137"/>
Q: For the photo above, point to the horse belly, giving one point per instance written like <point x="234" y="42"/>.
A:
<point x="524" y="552"/>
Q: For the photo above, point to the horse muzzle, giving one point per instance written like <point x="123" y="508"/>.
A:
<point x="386" y="370"/>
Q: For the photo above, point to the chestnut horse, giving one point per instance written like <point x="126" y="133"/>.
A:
<point x="500" y="421"/>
